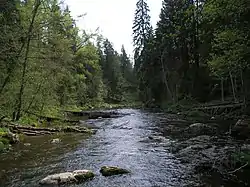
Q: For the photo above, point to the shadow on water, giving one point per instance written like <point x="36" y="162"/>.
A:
<point x="122" y="142"/>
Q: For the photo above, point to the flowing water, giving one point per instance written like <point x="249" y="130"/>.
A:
<point x="119" y="142"/>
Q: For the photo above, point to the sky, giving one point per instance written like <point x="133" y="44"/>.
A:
<point x="113" y="17"/>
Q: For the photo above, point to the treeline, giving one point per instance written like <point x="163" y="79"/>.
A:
<point x="46" y="61"/>
<point x="199" y="50"/>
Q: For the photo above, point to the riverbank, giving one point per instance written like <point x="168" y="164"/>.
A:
<point x="216" y="150"/>
<point x="53" y="122"/>
<point x="157" y="148"/>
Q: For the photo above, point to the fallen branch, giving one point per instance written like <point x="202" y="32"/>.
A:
<point x="238" y="168"/>
<point x="35" y="131"/>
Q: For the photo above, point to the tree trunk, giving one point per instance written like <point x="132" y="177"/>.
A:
<point x="243" y="87"/>
<point x="222" y="91"/>
<point x="232" y="83"/>
<point x="165" y="79"/>
<point x="19" y="102"/>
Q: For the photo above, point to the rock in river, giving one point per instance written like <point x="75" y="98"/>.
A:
<point x="110" y="170"/>
<point x="198" y="129"/>
<point x="55" y="141"/>
<point x="67" y="177"/>
<point x="241" y="129"/>
<point x="13" y="138"/>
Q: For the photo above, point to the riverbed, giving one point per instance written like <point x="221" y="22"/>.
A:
<point x="122" y="142"/>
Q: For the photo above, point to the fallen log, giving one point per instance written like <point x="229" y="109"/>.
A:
<point x="35" y="131"/>
<point x="94" y="114"/>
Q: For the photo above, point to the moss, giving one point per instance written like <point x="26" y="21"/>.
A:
<point x="242" y="157"/>
<point x="109" y="171"/>
<point x="5" y="141"/>
<point x="2" y="146"/>
<point x="3" y="131"/>
<point x="85" y="176"/>
<point x="29" y="120"/>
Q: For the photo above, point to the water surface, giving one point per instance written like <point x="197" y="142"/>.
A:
<point x="119" y="142"/>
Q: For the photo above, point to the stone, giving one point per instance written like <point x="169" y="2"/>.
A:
<point x="198" y="129"/>
<point x="245" y="147"/>
<point x="13" y="138"/>
<point x="110" y="170"/>
<point x="83" y="175"/>
<point x="77" y="176"/>
<point x="55" y="141"/>
<point x="241" y="129"/>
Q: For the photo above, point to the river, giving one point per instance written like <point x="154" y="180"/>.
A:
<point x="122" y="142"/>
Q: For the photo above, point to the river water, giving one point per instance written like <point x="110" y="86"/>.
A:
<point x="119" y="142"/>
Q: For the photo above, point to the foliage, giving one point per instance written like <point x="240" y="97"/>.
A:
<point x="241" y="157"/>
<point x="196" y="46"/>
<point x="48" y="63"/>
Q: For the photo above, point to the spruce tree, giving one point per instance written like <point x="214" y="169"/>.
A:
<point x="141" y="30"/>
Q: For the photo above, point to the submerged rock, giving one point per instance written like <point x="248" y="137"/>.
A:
<point x="110" y="170"/>
<point x="67" y="177"/>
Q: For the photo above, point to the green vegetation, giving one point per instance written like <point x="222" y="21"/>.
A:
<point x="199" y="50"/>
<point x="48" y="64"/>
<point x="4" y="143"/>
<point x="240" y="158"/>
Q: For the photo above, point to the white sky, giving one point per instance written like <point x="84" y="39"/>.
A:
<point x="113" y="17"/>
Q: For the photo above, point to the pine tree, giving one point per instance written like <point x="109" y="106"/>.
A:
<point x="142" y="30"/>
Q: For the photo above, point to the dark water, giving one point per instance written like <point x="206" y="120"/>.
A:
<point x="119" y="142"/>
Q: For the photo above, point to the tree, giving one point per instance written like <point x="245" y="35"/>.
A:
<point x="142" y="30"/>
<point x="126" y="66"/>
<point x="112" y="72"/>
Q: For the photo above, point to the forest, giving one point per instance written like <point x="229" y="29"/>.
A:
<point x="198" y="52"/>
<point x="48" y="63"/>
<point x="173" y="113"/>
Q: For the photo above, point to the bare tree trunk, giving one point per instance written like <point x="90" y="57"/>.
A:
<point x="243" y="87"/>
<point x="17" y="112"/>
<point x="165" y="79"/>
<point x="222" y="90"/>
<point x="232" y="83"/>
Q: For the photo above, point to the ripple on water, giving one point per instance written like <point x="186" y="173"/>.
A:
<point x="119" y="142"/>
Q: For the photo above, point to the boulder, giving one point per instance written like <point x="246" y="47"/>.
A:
<point x="241" y="129"/>
<point x="202" y="140"/>
<point x="56" y="141"/>
<point x="13" y="138"/>
<point x="198" y="129"/>
<point x="110" y="170"/>
<point x="245" y="148"/>
<point x="77" y="176"/>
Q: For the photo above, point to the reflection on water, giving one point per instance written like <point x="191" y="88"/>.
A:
<point x="120" y="142"/>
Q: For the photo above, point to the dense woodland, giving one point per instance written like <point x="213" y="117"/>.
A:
<point x="48" y="62"/>
<point x="199" y="51"/>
